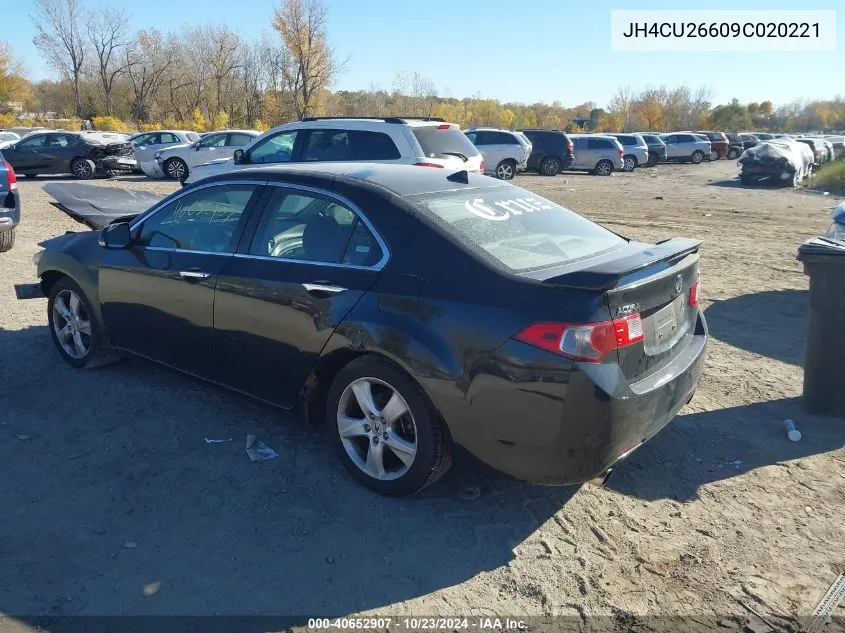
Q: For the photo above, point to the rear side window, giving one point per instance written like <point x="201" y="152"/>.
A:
<point x="437" y="143"/>
<point x="514" y="228"/>
<point x="327" y="145"/>
<point x="715" y="136"/>
<point x="167" y="137"/>
<point x="599" y="143"/>
<point x="627" y="140"/>
<point x="374" y="146"/>
<point x="239" y="140"/>
<point x="496" y="138"/>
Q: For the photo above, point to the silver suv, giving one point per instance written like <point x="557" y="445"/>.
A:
<point x="597" y="154"/>
<point x="504" y="152"/>
<point x="635" y="150"/>
<point x="424" y="142"/>
<point x="686" y="147"/>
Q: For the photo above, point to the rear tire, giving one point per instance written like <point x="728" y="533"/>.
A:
<point x="697" y="157"/>
<point x="7" y="240"/>
<point x="75" y="329"/>
<point x="603" y="168"/>
<point x="714" y="155"/>
<point x="83" y="169"/>
<point x="652" y="160"/>
<point x="733" y="153"/>
<point x="550" y="166"/>
<point x="506" y="170"/>
<point x="629" y="163"/>
<point x="368" y="440"/>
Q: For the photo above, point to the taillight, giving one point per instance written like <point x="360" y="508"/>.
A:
<point x="10" y="174"/>
<point x="693" y="292"/>
<point x="589" y="342"/>
<point x="481" y="168"/>
<point x="570" y="147"/>
<point x="428" y="165"/>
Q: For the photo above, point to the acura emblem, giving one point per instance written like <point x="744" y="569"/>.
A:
<point x="679" y="284"/>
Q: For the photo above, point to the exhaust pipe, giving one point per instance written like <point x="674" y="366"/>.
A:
<point x="601" y="480"/>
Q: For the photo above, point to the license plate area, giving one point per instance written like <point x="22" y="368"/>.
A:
<point x="665" y="327"/>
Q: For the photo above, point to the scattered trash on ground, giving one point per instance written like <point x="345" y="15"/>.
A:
<point x="658" y="197"/>
<point x="23" y="437"/>
<point x="791" y="432"/>
<point x="208" y="441"/>
<point x="258" y="451"/>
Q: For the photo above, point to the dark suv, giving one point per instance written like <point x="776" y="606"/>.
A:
<point x="656" y="149"/>
<point x="551" y="152"/>
<point x="719" y="144"/>
<point x="736" y="145"/>
<point x="10" y="205"/>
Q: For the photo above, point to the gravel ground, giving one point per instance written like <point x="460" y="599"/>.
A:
<point x="113" y="504"/>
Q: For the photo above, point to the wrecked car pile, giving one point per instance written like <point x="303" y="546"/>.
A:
<point x="778" y="161"/>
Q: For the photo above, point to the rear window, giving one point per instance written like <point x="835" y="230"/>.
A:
<point x="714" y="136"/>
<point x="516" y="229"/>
<point x="627" y="140"/>
<point x="600" y="143"/>
<point x="437" y="143"/>
<point x="374" y="146"/>
<point x="736" y="138"/>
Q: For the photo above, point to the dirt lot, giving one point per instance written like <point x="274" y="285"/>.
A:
<point x="113" y="503"/>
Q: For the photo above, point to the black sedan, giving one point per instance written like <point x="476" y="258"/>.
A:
<point x="10" y="205"/>
<point x="82" y="154"/>
<point x="415" y="311"/>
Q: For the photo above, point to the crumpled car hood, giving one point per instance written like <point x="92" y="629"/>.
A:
<point x="97" y="206"/>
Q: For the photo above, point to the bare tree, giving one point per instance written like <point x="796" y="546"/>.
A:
<point x="108" y="32"/>
<point x="251" y="81"/>
<point x="59" y="38"/>
<point x="147" y="63"/>
<point x="222" y="48"/>
<point x="311" y="65"/>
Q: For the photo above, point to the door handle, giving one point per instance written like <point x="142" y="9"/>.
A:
<point x="323" y="287"/>
<point x="194" y="274"/>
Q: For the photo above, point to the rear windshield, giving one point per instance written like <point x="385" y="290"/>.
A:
<point x="516" y="229"/>
<point x="715" y="136"/>
<point x="436" y="143"/>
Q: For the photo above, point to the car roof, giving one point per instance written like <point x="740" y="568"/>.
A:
<point x="489" y="129"/>
<point x="402" y="180"/>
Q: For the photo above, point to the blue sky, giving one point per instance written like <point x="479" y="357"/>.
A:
<point x="515" y="51"/>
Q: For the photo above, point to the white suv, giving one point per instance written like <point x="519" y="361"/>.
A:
<point x="504" y="152"/>
<point x="410" y="141"/>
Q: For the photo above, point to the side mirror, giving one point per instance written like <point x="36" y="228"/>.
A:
<point x="116" y="236"/>
<point x="197" y="146"/>
<point x="239" y="157"/>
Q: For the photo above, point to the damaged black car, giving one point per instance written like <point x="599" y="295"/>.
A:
<point x="82" y="154"/>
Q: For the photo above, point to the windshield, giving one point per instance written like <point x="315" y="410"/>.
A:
<point x="515" y="228"/>
<point x="440" y="143"/>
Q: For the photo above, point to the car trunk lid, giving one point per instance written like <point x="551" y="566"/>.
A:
<point x="660" y="283"/>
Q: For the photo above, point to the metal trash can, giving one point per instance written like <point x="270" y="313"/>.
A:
<point x="824" y="369"/>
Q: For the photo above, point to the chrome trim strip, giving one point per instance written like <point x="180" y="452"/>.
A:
<point x="385" y="257"/>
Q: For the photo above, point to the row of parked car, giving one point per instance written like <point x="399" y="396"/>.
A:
<point x="184" y="155"/>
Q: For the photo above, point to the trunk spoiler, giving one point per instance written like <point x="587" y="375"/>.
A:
<point x="97" y="206"/>
<point x="635" y="256"/>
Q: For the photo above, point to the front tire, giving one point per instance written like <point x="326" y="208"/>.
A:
<point x="629" y="163"/>
<point x="83" y="169"/>
<point x="697" y="157"/>
<point x="7" y="240"/>
<point x="385" y="429"/>
<point x="176" y="169"/>
<point x="603" y="168"/>
<point x="550" y="166"/>
<point x="74" y="327"/>
<point x="506" y="170"/>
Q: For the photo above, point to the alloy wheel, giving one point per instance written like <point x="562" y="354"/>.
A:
<point x="630" y="164"/>
<point x="603" y="168"/>
<point x="504" y="171"/>
<point x="72" y="324"/>
<point x="176" y="169"/>
<point x="551" y="167"/>
<point x="377" y="428"/>
<point x="81" y="169"/>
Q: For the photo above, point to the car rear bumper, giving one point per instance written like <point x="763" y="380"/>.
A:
<point x="151" y="168"/>
<point x="541" y="418"/>
<point x="10" y="211"/>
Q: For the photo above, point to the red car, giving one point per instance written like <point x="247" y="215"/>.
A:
<point x="719" y="144"/>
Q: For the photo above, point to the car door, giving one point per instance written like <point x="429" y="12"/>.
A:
<point x="157" y="296"/>
<point x="209" y="148"/>
<point x="579" y="144"/>
<point x="279" y="299"/>
<point x="485" y="142"/>
<point x="673" y="146"/>
<point x="60" y="150"/>
<point x="26" y="155"/>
